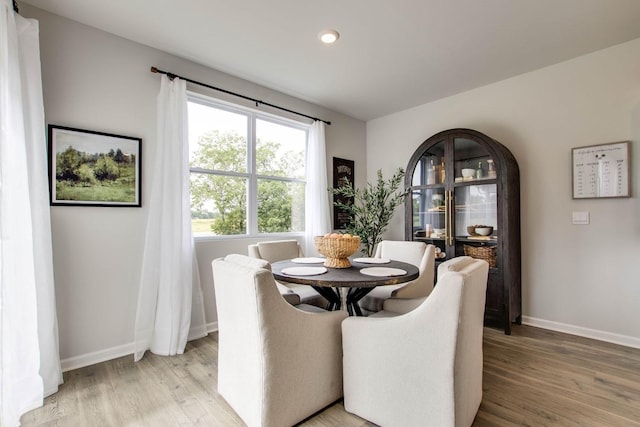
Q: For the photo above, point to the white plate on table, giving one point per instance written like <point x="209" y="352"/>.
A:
<point x="373" y="260"/>
<point x="308" y="260"/>
<point x="303" y="271"/>
<point x="382" y="271"/>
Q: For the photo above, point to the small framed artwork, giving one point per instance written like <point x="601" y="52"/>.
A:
<point x="88" y="168"/>
<point x="343" y="174"/>
<point x="601" y="171"/>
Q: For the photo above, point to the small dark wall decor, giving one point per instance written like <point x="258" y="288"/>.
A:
<point x="343" y="174"/>
<point x="88" y="168"/>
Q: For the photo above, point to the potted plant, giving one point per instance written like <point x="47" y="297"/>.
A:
<point x="372" y="208"/>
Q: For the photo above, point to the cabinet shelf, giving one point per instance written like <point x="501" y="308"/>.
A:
<point x="479" y="242"/>
<point x="428" y="187"/>
<point x="476" y="206"/>
<point x="475" y="181"/>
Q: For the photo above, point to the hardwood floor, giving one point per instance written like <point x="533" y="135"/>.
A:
<point x="532" y="378"/>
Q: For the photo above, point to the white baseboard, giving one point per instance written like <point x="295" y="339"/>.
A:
<point x="110" y="353"/>
<point x="96" y="357"/>
<point x="211" y="327"/>
<point x="127" y="349"/>
<point x="583" y="332"/>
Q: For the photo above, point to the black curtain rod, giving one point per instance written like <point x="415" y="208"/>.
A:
<point x="257" y="101"/>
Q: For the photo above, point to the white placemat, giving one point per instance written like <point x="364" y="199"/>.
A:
<point x="303" y="271"/>
<point x="373" y="260"/>
<point x="383" y="271"/>
<point x="308" y="260"/>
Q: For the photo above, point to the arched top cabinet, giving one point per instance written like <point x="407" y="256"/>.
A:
<point x="460" y="179"/>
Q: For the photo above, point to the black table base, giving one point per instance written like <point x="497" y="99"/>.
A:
<point x="354" y="295"/>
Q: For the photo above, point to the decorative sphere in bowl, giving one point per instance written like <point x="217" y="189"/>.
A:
<point x="337" y="248"/>
<point x="484" y="231"/>
<point x="468" y="173"/>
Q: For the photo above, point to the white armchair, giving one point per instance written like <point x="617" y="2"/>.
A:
<point x="276" y="250"/>
<point x="423" y="367"/>
<point x="277" y="365"/>
<point x="417" y="253"/>
<point x="395" y="306"/>
<point x="279" y="250"/>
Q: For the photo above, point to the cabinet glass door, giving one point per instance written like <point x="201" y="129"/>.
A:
<point x="475" y="202"/>
<point x="431" y="168"/>
<point x="472" y="162"/>
<point x="476" y="207"/>
<point x="429" y="216"/>
<point x="476" y="219"/>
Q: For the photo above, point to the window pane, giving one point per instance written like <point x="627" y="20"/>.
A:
<point x="218" y="204"/>
<point x="217" y="139"/>
<point x="280" y="150"/>
<point x="280" y="206"/>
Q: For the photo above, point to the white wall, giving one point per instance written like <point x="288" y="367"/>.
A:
<point x="94" y="80"/>
<point x="579" y="279"/>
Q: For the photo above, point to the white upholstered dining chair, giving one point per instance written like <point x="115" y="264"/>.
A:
<point x="395" y="306"/>
<point x="280" y="250"/>
<point x="277" y="365"/>
<point x="417" y="253"/>
<point x="423" y="367"/>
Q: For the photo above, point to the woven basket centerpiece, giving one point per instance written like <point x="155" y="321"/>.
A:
<point x="337" y="248"/>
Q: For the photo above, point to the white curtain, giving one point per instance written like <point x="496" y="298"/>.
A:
<point x="170" y="296"/>
<point x="316" y="212"/>
<point x="29" y="358"/>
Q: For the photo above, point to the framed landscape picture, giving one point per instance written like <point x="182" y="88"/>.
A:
<point x="88" y="168"/>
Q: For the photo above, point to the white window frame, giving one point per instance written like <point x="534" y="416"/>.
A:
<point x="252" y="177"/>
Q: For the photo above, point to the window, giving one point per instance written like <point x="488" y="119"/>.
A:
<point x="247" y="170"/>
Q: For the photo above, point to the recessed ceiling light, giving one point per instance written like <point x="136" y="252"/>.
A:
<point x="329" y="36"/>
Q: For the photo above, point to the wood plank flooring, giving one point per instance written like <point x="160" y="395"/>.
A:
<point x="533" y="377"/>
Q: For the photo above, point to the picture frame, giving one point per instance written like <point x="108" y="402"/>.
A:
<point x="601" y="171"/>
<point x="90" y="168"/>
<point x="343" y="174"/>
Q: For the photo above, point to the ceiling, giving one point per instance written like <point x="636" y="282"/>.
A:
<point x="392" y="55"/>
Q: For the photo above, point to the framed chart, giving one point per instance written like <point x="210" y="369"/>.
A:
<point x="601" y="171"/>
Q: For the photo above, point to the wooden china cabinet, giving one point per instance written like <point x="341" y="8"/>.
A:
<point x="458" y="179"/>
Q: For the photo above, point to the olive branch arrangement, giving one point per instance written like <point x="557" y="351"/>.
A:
<point x="372" y="208"/>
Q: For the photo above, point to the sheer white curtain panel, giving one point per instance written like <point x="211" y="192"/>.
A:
<point x="316" y="212"/>
<point x="29" y="357"/>
<point x="170" y="307"/>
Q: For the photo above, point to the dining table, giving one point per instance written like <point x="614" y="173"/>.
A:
<point x="344" y="287"/>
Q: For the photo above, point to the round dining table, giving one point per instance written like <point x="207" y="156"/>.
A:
<point x="344" y="287"/>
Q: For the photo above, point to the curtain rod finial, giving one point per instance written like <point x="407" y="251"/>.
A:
<point x="154" y="70"/>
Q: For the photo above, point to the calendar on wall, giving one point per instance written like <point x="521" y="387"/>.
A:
<point x="601" y="171"/>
